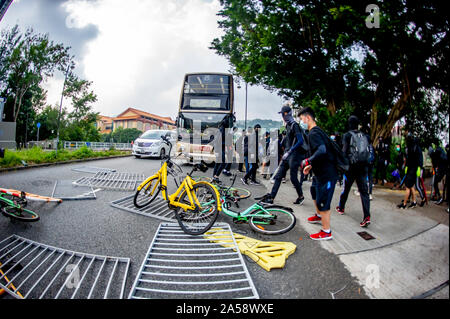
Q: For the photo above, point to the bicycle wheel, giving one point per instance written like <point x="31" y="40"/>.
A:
<point x="20" y="214"/>
<point x="148" y="193"/>
<point x="280" y="221"/>
<point x="200" y="220"/>
<point x="241" y="193"/>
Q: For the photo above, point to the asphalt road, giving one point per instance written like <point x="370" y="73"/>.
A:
<point x="93" y="226"/>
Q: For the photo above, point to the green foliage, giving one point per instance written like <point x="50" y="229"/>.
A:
<point x="38" y="156"/>
<point x="127" y="135"/>
<point x="323" y="54"/>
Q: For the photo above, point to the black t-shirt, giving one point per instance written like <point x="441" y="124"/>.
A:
<point x="414" y="157"/>
<point x="323" y="166"/>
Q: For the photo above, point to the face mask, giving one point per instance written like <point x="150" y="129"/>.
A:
<point x="333" y="137"/>
<point x="303" y="125"/>
<point x="398" y="149"/>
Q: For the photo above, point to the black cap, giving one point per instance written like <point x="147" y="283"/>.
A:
<point x="285" y="109"/>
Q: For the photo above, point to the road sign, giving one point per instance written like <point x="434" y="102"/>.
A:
<point x="38" y="125"/>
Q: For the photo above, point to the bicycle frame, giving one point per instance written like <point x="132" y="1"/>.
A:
<point x="246" y="214"/>
<point x="187" y="185"/>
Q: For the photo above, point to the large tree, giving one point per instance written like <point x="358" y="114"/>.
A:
<point x="322" y="54"/>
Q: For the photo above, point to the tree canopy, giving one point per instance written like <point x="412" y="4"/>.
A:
<point x="323" y="54"/>
<point x="27" y="60"/>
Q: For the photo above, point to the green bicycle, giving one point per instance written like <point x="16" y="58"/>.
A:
<point x="262" y="218"/>
<point x="13" y="206"/>
<point x="236" y="192"/>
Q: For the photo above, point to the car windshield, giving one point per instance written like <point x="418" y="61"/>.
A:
<point x="153" y="135"/>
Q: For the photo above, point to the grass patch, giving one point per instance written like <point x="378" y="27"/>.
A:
<point x="36" y="155"/>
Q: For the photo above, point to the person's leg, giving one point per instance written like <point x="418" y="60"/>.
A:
<point x="437" y="179"/>
<point x="314" y="191"/>
<point x="294" y="165"/>
<point x="420" y="190"/>
<point x="278" y="178"/>
<point x="323" y="202"/>
<point x="348" y="182"/>
<point x="361" y="179"/>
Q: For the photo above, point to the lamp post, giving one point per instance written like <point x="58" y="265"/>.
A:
<point x="60" y="107"/>
<point x="246" y="102"/>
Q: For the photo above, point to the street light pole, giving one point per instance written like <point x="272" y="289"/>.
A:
<point x="246" y="100"/>
<point x="60" y="108"/>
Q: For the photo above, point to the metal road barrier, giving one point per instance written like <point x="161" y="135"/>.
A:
<point x="157" y="209"/>
<point x="178" y="265"/>
<point x="97" y="145"/>
<point x="93" y="169"/>
<point x="112" y="181"/>
<point x="38" y="271"/>
<point x="66" y="190"/>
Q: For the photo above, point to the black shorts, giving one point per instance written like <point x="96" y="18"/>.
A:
<point x="410" y="179"/>
<point x="323" y="193"/>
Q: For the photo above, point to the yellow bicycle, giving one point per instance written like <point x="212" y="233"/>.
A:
<point x="196" y="204"/>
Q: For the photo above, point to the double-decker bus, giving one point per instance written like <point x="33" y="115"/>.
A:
<point x="206" y="100"/>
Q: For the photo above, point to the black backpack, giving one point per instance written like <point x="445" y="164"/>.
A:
<point x="359" y="148"/>
<point x="342" y="162"/>
<point x="304" y="148"/>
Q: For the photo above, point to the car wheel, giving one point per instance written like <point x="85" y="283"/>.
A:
<point x="137" y="156"/>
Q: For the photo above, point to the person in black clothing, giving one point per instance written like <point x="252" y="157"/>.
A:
<point x="399" y="165"/>
<point x="337" y="138"/>
<point x="382" y="151"/>
<point x="219" y="151"/>
<point x="291" y="160"/>
<point x="414" y="161"/>
<point x="322" y="162"/>
<point x="439" y="161"/>
<point x="239" y="146"/>
<point x="357" y="172"/>
<point x="229" y="152"/>
<point x="251" y="148"/>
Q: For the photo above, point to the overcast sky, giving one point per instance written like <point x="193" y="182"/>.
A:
<point x="136" y="52"/>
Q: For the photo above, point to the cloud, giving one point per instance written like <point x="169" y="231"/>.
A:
<point x="136" y="52"/>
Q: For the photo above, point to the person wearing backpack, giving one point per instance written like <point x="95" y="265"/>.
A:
<point x="414" y="162"/>
<point x="439" y="162"/>
<point x="323" y="162"/>
<point x="357" y="148"/>
<point x="296" y="151"/>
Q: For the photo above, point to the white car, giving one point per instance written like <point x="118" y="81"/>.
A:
<point x="150" y="144"/>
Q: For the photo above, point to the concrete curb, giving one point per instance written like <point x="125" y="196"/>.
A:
<point x="20" y="168"/>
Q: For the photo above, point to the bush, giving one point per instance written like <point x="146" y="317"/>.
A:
<point x="11" y="159"/>
<point x="38" y="156"/>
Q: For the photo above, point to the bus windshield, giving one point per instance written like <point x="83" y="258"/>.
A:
<point x="206" y="91"/>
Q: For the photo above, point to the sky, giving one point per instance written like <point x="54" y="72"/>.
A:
<point x="136" y="52"/>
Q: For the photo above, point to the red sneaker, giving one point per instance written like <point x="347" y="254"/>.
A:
<point x="340" y="210"/>
<point x="314" y="220"/>
<point x="321" y="236"/>
<point x="365" y="222"/>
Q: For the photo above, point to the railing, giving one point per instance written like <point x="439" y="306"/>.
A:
<point x="98" y="145"/>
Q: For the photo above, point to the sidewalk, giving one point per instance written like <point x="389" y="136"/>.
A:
<point x="409" y="255"/>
